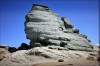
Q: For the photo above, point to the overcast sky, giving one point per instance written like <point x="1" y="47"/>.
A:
<point x="83" y="14"/>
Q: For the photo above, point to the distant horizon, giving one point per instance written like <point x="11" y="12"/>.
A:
<point x="83" y="14"/>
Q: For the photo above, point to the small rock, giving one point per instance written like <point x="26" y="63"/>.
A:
<point x="12" y="49"/>
<point x="90" y="58"/>
<point x="76" y="31"/>
<point x="60" y="60"/>
<point x="70" y="64"/>
<point x="60" y="49"/>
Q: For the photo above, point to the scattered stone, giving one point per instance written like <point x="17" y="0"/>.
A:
<point x="60" y="60"/>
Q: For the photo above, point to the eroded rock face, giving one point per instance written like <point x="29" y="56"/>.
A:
<point x="41" y="55"/>
<point x="45" y="27"/>
<point x="46" y="54"/>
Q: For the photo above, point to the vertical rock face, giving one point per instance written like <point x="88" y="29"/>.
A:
<point x="45" y="27"/>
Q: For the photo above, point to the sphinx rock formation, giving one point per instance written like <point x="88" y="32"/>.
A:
<point x="52" y="39"/>
<point x="45" y="27"/>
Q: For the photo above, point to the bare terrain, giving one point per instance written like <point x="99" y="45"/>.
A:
<point x="70" y="63"/>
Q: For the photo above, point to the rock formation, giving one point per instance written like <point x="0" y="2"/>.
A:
<point x="42" y="55"/>
<point x="52" y="39"/>
<point x="12" y="49"/>
<point x="45" y="27"/>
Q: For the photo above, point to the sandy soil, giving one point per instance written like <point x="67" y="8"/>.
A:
<point x="70" y="63"/>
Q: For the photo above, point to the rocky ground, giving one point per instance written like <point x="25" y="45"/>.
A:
<point x="50" y="56"/>
<point x="70" y="63"/>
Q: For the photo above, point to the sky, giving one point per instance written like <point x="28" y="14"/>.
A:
<point x="83" y="14"/>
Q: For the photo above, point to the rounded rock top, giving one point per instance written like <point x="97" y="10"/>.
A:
<point x="40" y="5"/>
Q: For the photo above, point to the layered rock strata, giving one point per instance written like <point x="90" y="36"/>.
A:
<point x="45" y="27"/>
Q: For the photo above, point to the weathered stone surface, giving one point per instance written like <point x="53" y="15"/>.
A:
<point x="33" y="44"/>
<point x="57" y="48"/>
<point x="4" y="52"/>
<point x="82" y="35"/>
<point x="67" y="23"/>
<point x="46" y="27"/>
<point x="4" y="47"/>
<point x="90" y="58"/>
<point x="70" y="63"/>
<point x="41" y="55"/>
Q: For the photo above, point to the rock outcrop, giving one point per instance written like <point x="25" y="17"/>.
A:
<point x="45" y="27"/>
<point x="4" y="52"/>
<point x="12" y="49"/>
<point x="24" y="46"/>
<point x="41" y="55"/>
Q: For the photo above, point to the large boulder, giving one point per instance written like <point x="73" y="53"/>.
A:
<point x="45" y="27"/>
<point x="12" y="49"/>
<point x="24" y="46"/>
